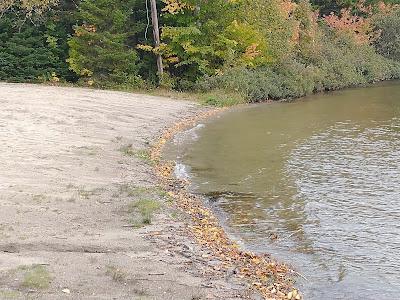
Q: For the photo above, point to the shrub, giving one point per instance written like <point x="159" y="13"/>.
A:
<point x="388" y="44"/>
<point x="345" y="63"/>
<point x="340" y="63"/>
<point x="265" y="83"/>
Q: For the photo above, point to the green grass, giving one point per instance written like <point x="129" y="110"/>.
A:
<point x="216" y="98"/>
<point x="116" y="274"/>
<point x="143" y="155"/>
<point x="133" y="190"/>
<point x="143" y="191"/>
<point x="9" y="294"/>
<point x="36" y="277"/>
<point x="174" y="215"/>
<point x="86" y="194"/>
<point x="127" y="150"/>
<point x="146" y="208"/>
<point x="221" y="98"/>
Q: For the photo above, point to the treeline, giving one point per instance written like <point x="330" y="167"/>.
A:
<point x="233" y="50"/>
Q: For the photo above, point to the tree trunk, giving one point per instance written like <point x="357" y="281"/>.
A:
<point x="156" y="33"/>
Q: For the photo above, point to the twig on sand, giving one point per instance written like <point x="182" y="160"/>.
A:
<point x="302" y="276"/>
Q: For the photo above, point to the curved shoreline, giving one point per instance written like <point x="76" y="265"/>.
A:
<point x="271" y="279"/>
<point x="74" y="185"/>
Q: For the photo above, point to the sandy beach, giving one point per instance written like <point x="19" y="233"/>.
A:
<point x="73" y="173"/>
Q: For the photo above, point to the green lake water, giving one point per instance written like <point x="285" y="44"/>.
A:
<point x="321" y="174"/>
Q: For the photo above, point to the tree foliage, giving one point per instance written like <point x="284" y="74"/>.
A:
<point x="326" y="54"/>
<point x="35" y="51"/>
<point x="388" y="42"/>
<point x="261" y="49"/>
<point x="328" y="6"/>
<point x="201" y="37"/>
<point x="100" y="51"/>
<point x="27" y="9"/>
<point x="25" y="55"/>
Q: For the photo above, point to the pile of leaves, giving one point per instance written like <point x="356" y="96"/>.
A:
<point x="271" y="279"/>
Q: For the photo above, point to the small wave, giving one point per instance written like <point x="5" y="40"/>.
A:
<point x="186" y="136"/>
<point x="181" y="171"/>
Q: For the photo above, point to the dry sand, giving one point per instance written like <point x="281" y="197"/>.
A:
<point x="68" y="187"/>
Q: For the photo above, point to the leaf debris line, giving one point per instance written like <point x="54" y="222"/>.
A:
<point x="273" y="280"/>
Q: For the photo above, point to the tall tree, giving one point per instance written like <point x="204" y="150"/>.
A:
<point x="156" y="34"/>
<point x="101" y="50"/>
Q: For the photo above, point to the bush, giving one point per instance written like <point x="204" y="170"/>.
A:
<point x="388" y="44"/>
<point x="344" y="63"/>
<point x="340" y="63"/>
<point x="261" y="84"/>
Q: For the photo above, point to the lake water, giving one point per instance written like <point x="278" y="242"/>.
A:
<point x="315" y="182"/>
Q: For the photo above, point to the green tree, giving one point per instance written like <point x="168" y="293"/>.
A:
<point x="200" y="38"/>
<point x="29" y="53"/>
<point x="196" y="37"/>
<point x="274" y="20"/>
<point x="101" y="50"/>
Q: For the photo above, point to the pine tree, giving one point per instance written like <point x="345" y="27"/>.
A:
<point x="101" y="50"/>
<point x="29" y="53"/>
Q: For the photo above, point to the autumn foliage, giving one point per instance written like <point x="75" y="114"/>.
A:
<point x="203" y="43"/>
<point x="30" y="8"/>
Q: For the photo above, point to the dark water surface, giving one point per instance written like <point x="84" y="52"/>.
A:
<point x="321" y="174"/>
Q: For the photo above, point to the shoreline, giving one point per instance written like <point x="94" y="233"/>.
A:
<point x="196" y="205"/>
<point x="22" y="244"/>
<point x="272" y="279"/>
<point x="82" y="215"/>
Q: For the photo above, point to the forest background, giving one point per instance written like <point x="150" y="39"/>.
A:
<point x="228" y="51"/>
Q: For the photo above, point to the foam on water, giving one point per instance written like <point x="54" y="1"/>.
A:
<point x="181" y="171"/>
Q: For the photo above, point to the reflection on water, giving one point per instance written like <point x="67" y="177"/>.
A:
<point x="315" y="182"/>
